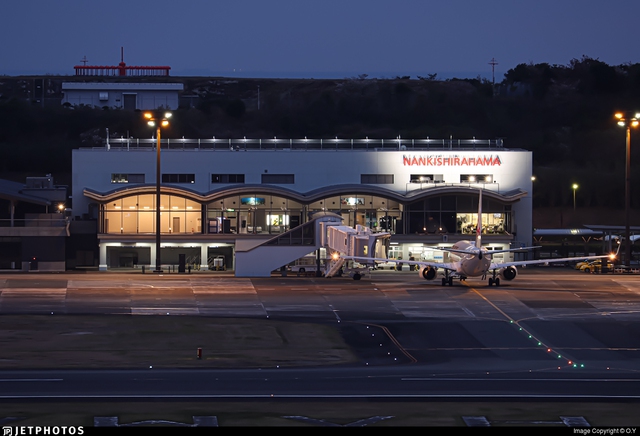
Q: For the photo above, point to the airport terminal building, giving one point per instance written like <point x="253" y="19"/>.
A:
<point x="221" y="194"/>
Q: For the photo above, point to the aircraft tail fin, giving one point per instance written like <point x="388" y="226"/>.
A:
<point x="479" y="226"/>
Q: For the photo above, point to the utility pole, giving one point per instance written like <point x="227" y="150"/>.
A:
<point x="493" y="64"/>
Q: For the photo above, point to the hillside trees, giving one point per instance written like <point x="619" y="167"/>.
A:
<point x="563" y="113"/>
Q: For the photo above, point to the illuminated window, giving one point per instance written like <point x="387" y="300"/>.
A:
<point x="127" y="178"/>
<point x="476" y="178"/>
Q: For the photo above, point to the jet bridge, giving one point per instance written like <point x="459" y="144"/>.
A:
<point x="358" y="242"/>
<point x="258" y="258"/>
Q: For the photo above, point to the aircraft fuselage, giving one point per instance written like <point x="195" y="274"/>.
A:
<point x="473" y="263"/>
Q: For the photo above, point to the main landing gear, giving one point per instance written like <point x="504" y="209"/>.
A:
<point x="448" y="278"/>
<point x="447" y="281"/>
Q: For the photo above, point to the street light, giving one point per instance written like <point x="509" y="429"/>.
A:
<point x="574" y="187"/>
<point x="158" y="120"/>
<point x="628" y="122"/>
<point x="533" y="179"/>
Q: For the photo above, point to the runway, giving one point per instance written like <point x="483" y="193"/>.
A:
<point x="555" y="347"/>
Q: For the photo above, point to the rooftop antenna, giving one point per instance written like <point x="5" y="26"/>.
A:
<point x="84" y="60"/>
<point x="122" y="66"/>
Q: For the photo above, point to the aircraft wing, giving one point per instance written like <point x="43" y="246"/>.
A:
<point x="513" y="250"/>
<point x="632" y="238"/>
<point x="369" y="260"/>
<point x="507" y="250"/>
<point x="554" y="260"/>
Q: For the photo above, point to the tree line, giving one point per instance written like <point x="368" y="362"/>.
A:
<point x="563" y="113"/>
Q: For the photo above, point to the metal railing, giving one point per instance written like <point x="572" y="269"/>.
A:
<point x="332" y="144"/>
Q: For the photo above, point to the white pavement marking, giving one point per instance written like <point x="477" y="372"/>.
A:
<point x="165" y="311"/>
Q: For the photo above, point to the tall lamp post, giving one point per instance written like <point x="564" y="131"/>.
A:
<point x="627" y="121"/>
<point x="574" y="187"/>
<point x="158" y="120"/>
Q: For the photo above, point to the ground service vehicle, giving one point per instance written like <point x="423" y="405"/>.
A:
<point x="304" y="265"/>
<point x="596" y="267"/>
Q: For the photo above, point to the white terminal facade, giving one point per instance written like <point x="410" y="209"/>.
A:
<point x="219" y="194"/>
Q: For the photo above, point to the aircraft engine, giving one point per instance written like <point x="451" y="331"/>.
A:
<point x="509" y="273"/>
<point x="428" y="272"/>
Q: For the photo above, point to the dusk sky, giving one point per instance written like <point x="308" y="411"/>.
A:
<point x="315" y="39"/>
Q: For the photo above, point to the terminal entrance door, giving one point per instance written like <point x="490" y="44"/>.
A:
<point x="129" y="101"/>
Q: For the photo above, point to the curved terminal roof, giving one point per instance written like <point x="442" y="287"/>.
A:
<point x="13" y="191"/>
<point x="308" y="197"/>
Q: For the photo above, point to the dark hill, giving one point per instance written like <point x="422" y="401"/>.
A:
<point x="564" y="114"/>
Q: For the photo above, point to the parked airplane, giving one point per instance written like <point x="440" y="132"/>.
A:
<point x="471" y="259"/>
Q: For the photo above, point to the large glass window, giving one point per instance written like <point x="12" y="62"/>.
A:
<point x="259" y="213"/>
<point x="456" y="214"/>
<point x="492" y="223"/>
<point x="254" y="213"/>
<point x="378" y="213"/>
<point x="137" y="214"/>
